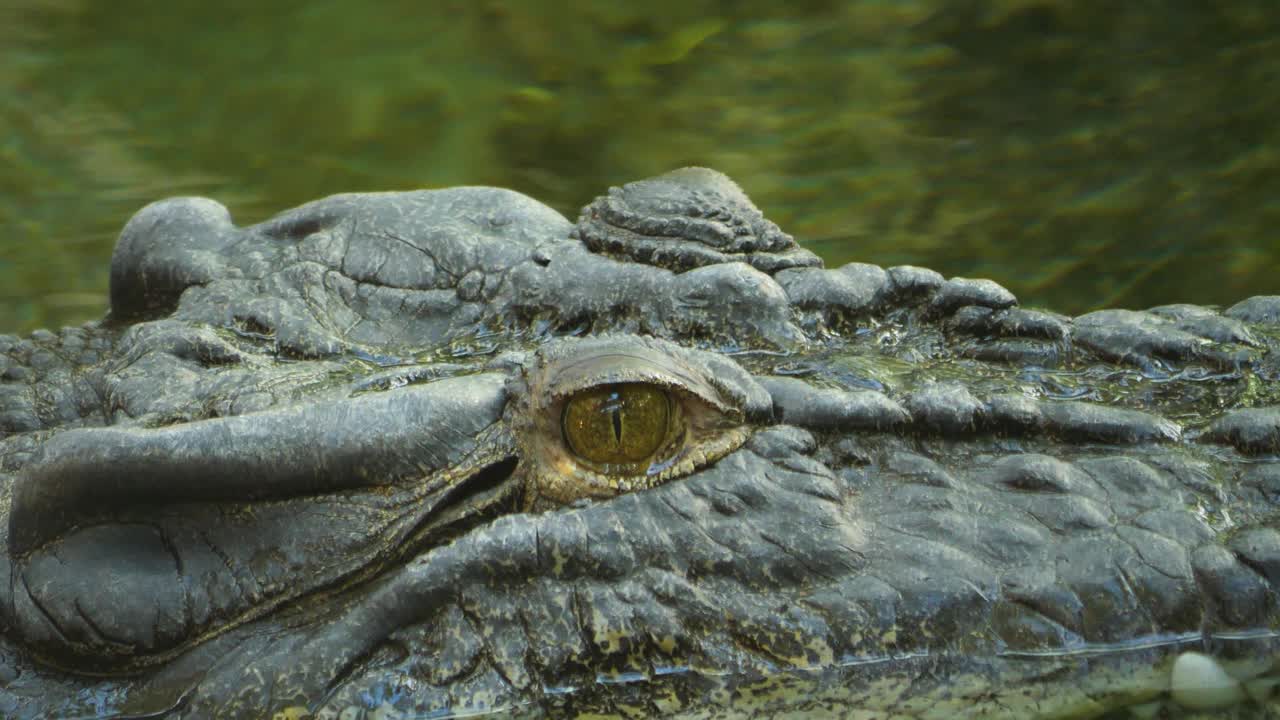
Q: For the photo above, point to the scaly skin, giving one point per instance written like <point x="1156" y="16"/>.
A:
<point x="316" y="466"/>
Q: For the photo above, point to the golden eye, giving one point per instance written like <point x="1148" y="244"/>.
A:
<point x="599" y="416"/>
<point x="618" y="425"/>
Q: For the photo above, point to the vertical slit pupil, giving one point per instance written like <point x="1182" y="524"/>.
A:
<point x="617" y="424"/>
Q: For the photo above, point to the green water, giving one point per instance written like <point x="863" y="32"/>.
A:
<point x="1083" y="152"/>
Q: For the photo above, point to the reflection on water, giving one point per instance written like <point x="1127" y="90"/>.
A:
<point x="1083" y="153"/>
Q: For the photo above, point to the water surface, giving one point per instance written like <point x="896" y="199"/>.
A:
<point x="1083" y="153"/>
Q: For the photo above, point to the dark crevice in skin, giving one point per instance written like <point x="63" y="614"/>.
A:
<point x="453" y="275"/>
<point x="353" y="667"/>
<point x="539" y="558"/>
<point x="227" y="563"/>
<point x="528" y="657"/>
<point x="48" y="617"/>
<point x="688" y="516"/>
<point x="786" y="550"/>
<point x="1255" y="567"/>
<point x="99" y="637"/>
<point x="755" y="646"/>
<point x="488" y="481"/>
<point x="593" y="659"/>
<point x="180" y="575"/>
<point x="485" y="654"/>
<point x="482" y="491"/>
<point x="1138" y="554"/>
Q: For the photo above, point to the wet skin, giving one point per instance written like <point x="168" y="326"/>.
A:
<point x="445" y="451"/>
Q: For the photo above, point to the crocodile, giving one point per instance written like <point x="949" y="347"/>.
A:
<point x="446" y="453"/>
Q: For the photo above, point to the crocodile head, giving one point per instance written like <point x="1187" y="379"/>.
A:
<point x="444" y="452"/>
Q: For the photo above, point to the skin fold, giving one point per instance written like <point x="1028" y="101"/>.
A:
<point x="330" y="466"/>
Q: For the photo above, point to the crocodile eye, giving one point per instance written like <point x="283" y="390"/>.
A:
<point x="619" y="427"/>
<point x="596" y="417"/>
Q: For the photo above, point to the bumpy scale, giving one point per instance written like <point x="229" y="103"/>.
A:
<point x="444" y="452"/>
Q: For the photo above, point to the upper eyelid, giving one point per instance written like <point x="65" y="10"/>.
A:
<point x="607" y="364"/>
<point x="562" y="388"/>
<point x="567" y="392"/>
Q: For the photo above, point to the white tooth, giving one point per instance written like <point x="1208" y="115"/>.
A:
<point x="1199" y="682"/>
<point x="1146" y="711"/>
<point x="1262" y="689"/>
